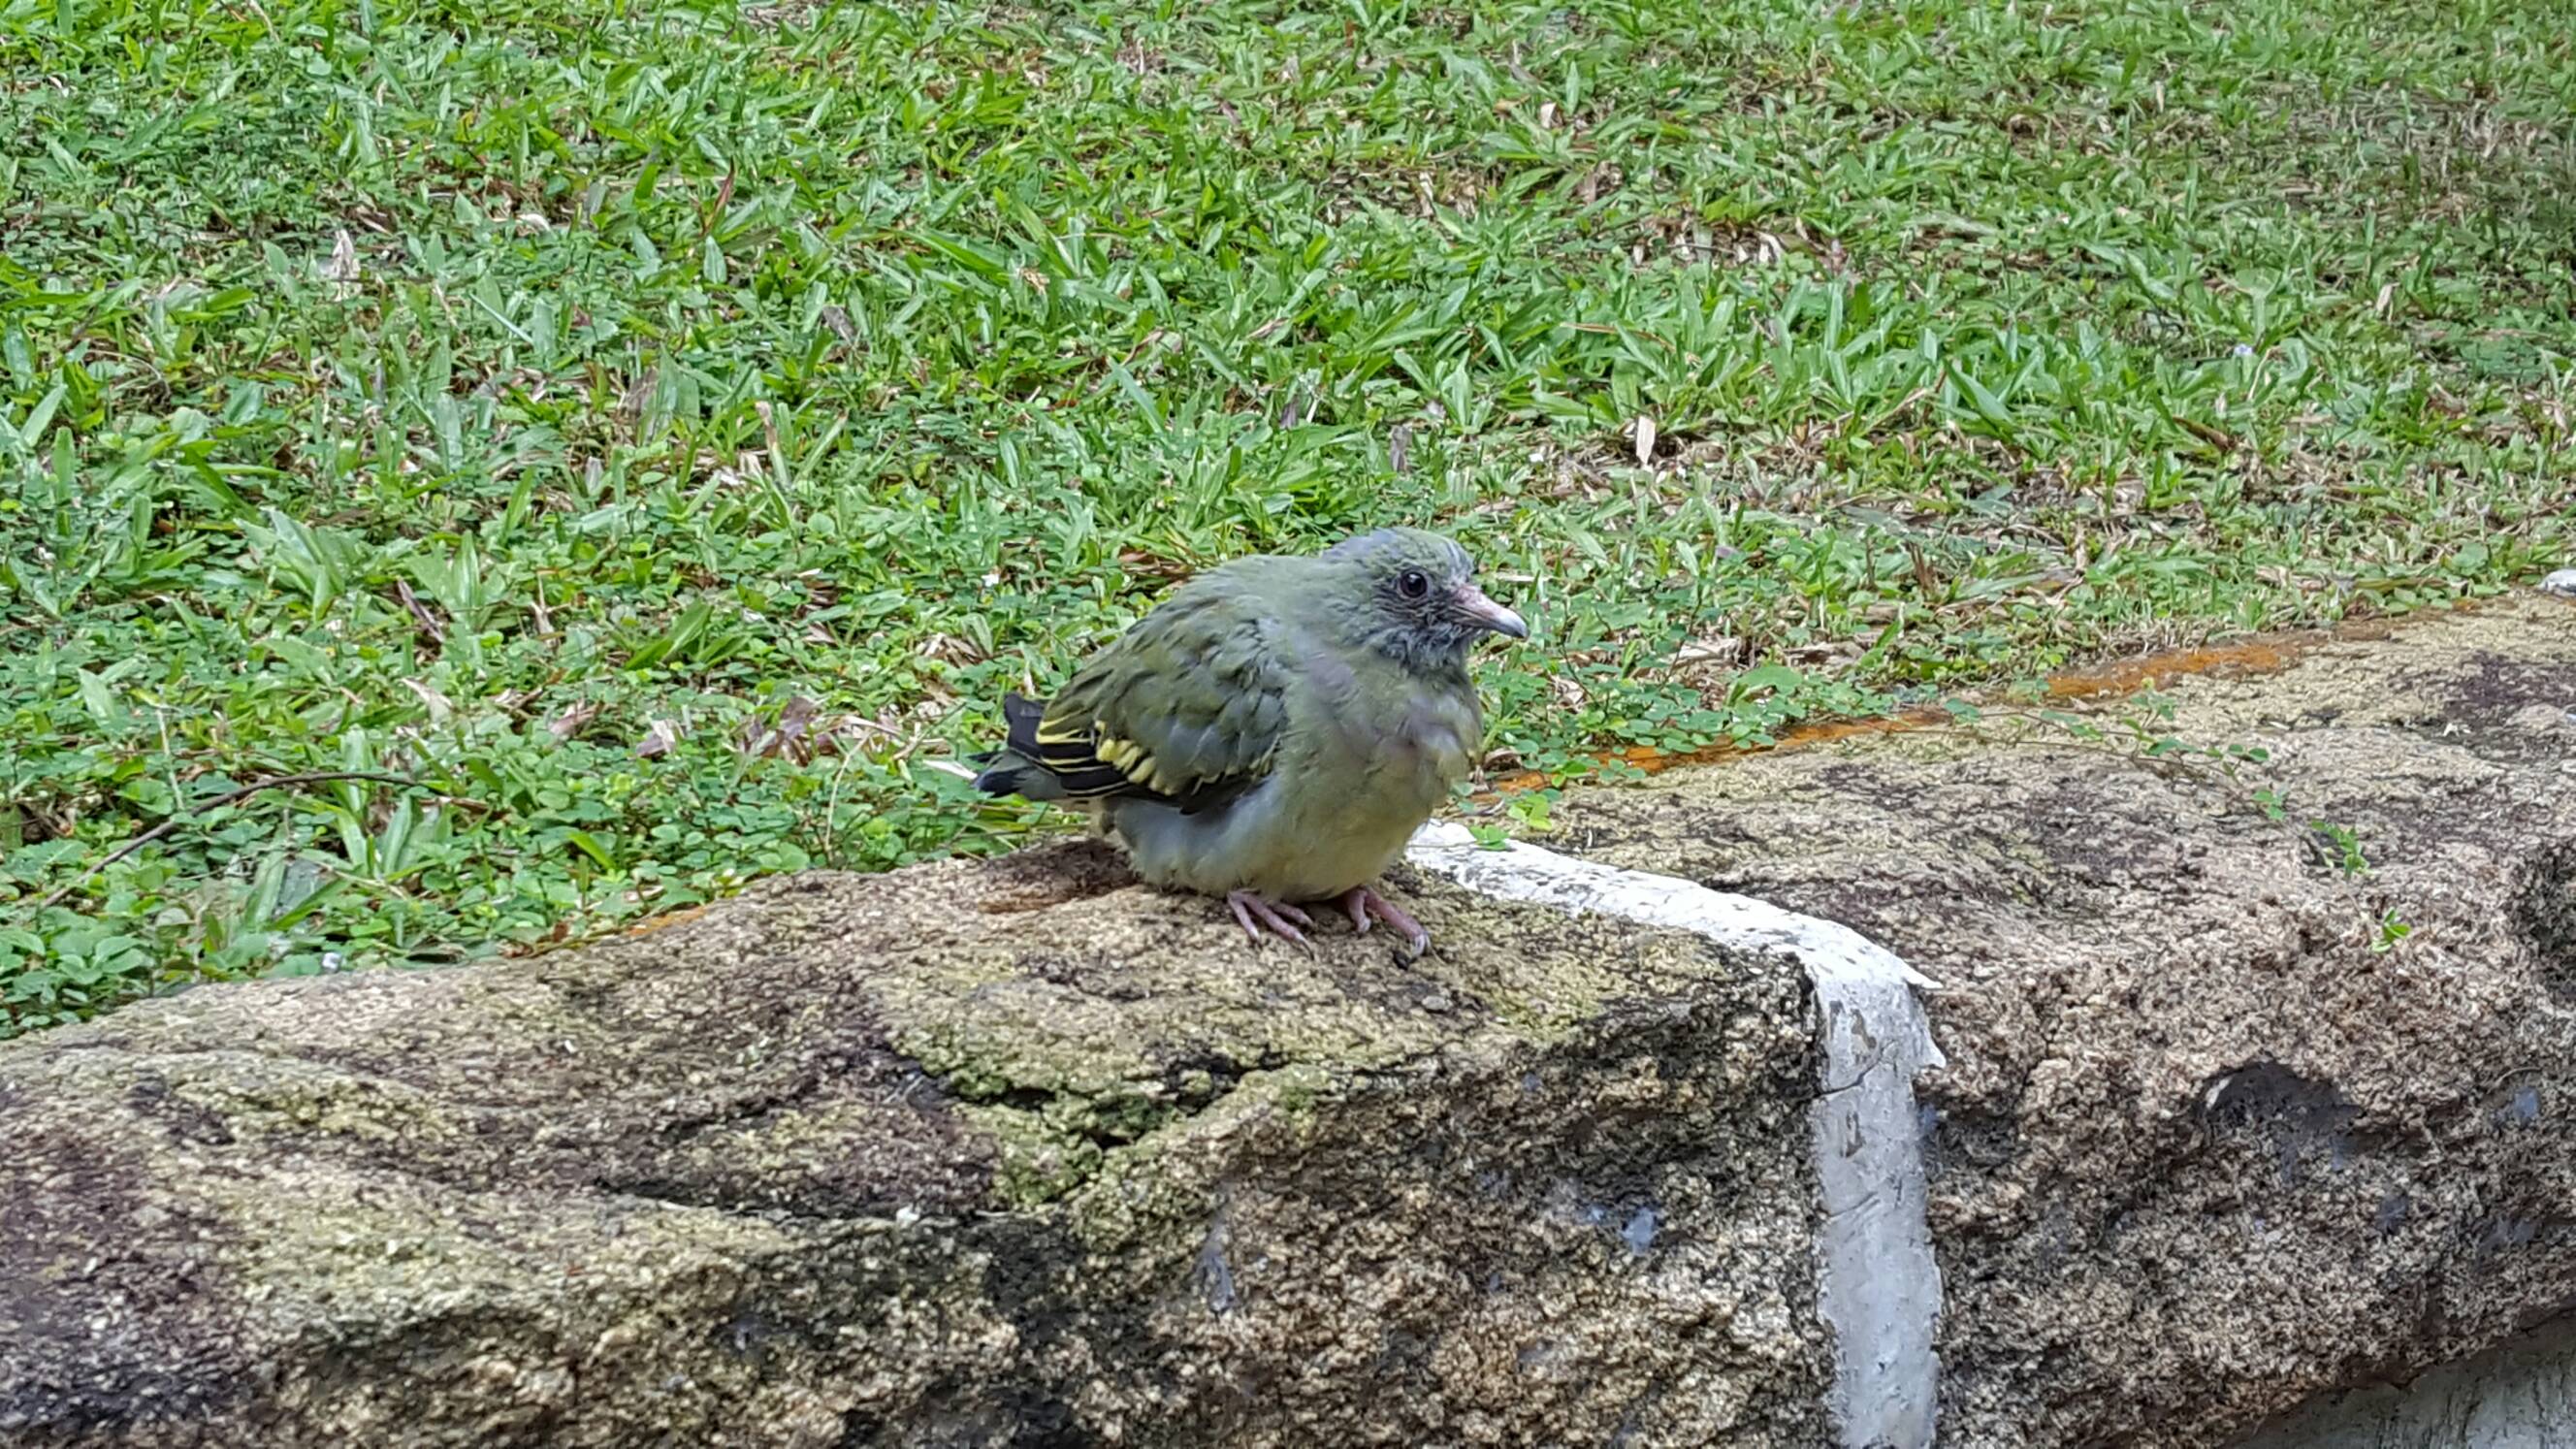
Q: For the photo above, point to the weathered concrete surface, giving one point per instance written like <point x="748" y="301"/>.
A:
<point x="976" y="1154"/>
<point x="2203" y="1147"/>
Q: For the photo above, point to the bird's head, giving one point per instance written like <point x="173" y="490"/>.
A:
<point x="1412" y="595"/>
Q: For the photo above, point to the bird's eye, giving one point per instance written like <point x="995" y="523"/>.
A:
<point x="1413" y="583"/>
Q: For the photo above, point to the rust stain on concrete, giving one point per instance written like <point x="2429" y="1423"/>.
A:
<point x="2259" y="655"/>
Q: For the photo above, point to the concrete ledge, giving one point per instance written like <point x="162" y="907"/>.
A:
<point x="979" y="1153"/>
<point x="1655" y="1148"/>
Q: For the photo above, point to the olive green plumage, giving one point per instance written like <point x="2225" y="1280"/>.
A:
<point x="1187" y="706"/>
<point x="1279" y="726"/>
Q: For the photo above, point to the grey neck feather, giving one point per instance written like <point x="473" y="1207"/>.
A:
<point x="1439" y="650"/>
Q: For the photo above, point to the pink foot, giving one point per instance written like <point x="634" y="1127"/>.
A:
<point x="1277" y="915"/>
<point x="1364" y="903"/>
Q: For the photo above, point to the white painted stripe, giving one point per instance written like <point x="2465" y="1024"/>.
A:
<point x="1879" y="1289"/>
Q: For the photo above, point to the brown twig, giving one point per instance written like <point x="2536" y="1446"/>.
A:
<point x="229" y="797"/>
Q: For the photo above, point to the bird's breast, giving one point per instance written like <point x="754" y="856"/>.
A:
<point x="1439" y="737"/>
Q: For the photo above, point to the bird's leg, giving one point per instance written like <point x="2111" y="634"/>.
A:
<point x="1364" y="903"/>
<point x="1277" y="915"/>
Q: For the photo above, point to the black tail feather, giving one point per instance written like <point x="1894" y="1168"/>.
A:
<point x="1012" y="769"/>
<point x="1003" y="781"/>
<point x="1020" y="717"/>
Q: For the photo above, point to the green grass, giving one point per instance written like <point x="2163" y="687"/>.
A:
<point x="475" y="392"/>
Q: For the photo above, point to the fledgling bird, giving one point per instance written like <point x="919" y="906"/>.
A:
<point x="1277" y="729"/>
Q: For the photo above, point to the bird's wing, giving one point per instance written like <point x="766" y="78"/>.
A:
<point x="1186" y="708"/>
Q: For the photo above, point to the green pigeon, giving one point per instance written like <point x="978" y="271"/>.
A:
<point x="1277" y="729"/>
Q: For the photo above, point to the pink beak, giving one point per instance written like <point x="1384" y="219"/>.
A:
<point x="1470" y="606"/>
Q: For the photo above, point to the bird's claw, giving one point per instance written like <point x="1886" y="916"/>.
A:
<point x="1257" y="913"/>
<point x="1367" y="907"/>
<point x="1278" y="916"/>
